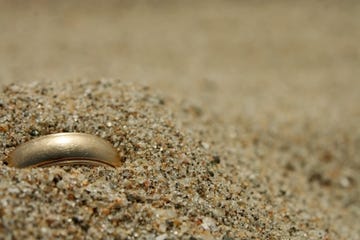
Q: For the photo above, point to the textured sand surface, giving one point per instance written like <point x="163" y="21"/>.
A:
<point x="245" y="123"/>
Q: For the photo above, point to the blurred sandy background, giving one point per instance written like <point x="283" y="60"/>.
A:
<point x="286" y="67"/>
<point x="287" y="54"/>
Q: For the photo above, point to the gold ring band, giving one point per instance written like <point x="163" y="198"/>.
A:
<point x="64" y="149"/>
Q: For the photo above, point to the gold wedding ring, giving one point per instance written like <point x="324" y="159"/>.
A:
<point x="64" y="149"/>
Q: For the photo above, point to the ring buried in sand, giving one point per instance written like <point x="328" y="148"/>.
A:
<point x="64" y="149"/>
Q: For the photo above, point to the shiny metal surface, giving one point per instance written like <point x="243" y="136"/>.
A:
<point x="64" y="149"/>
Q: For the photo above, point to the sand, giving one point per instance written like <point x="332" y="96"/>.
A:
<point x="232" y="120"/>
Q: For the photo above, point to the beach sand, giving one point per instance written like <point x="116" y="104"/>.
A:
<point x="232" y="120"/>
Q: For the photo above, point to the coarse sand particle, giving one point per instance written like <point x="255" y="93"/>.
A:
<point x="175" y="182"/>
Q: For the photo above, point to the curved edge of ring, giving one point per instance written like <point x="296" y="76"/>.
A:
<point x="75" y="161"/>
<point x="73" y="149"/>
